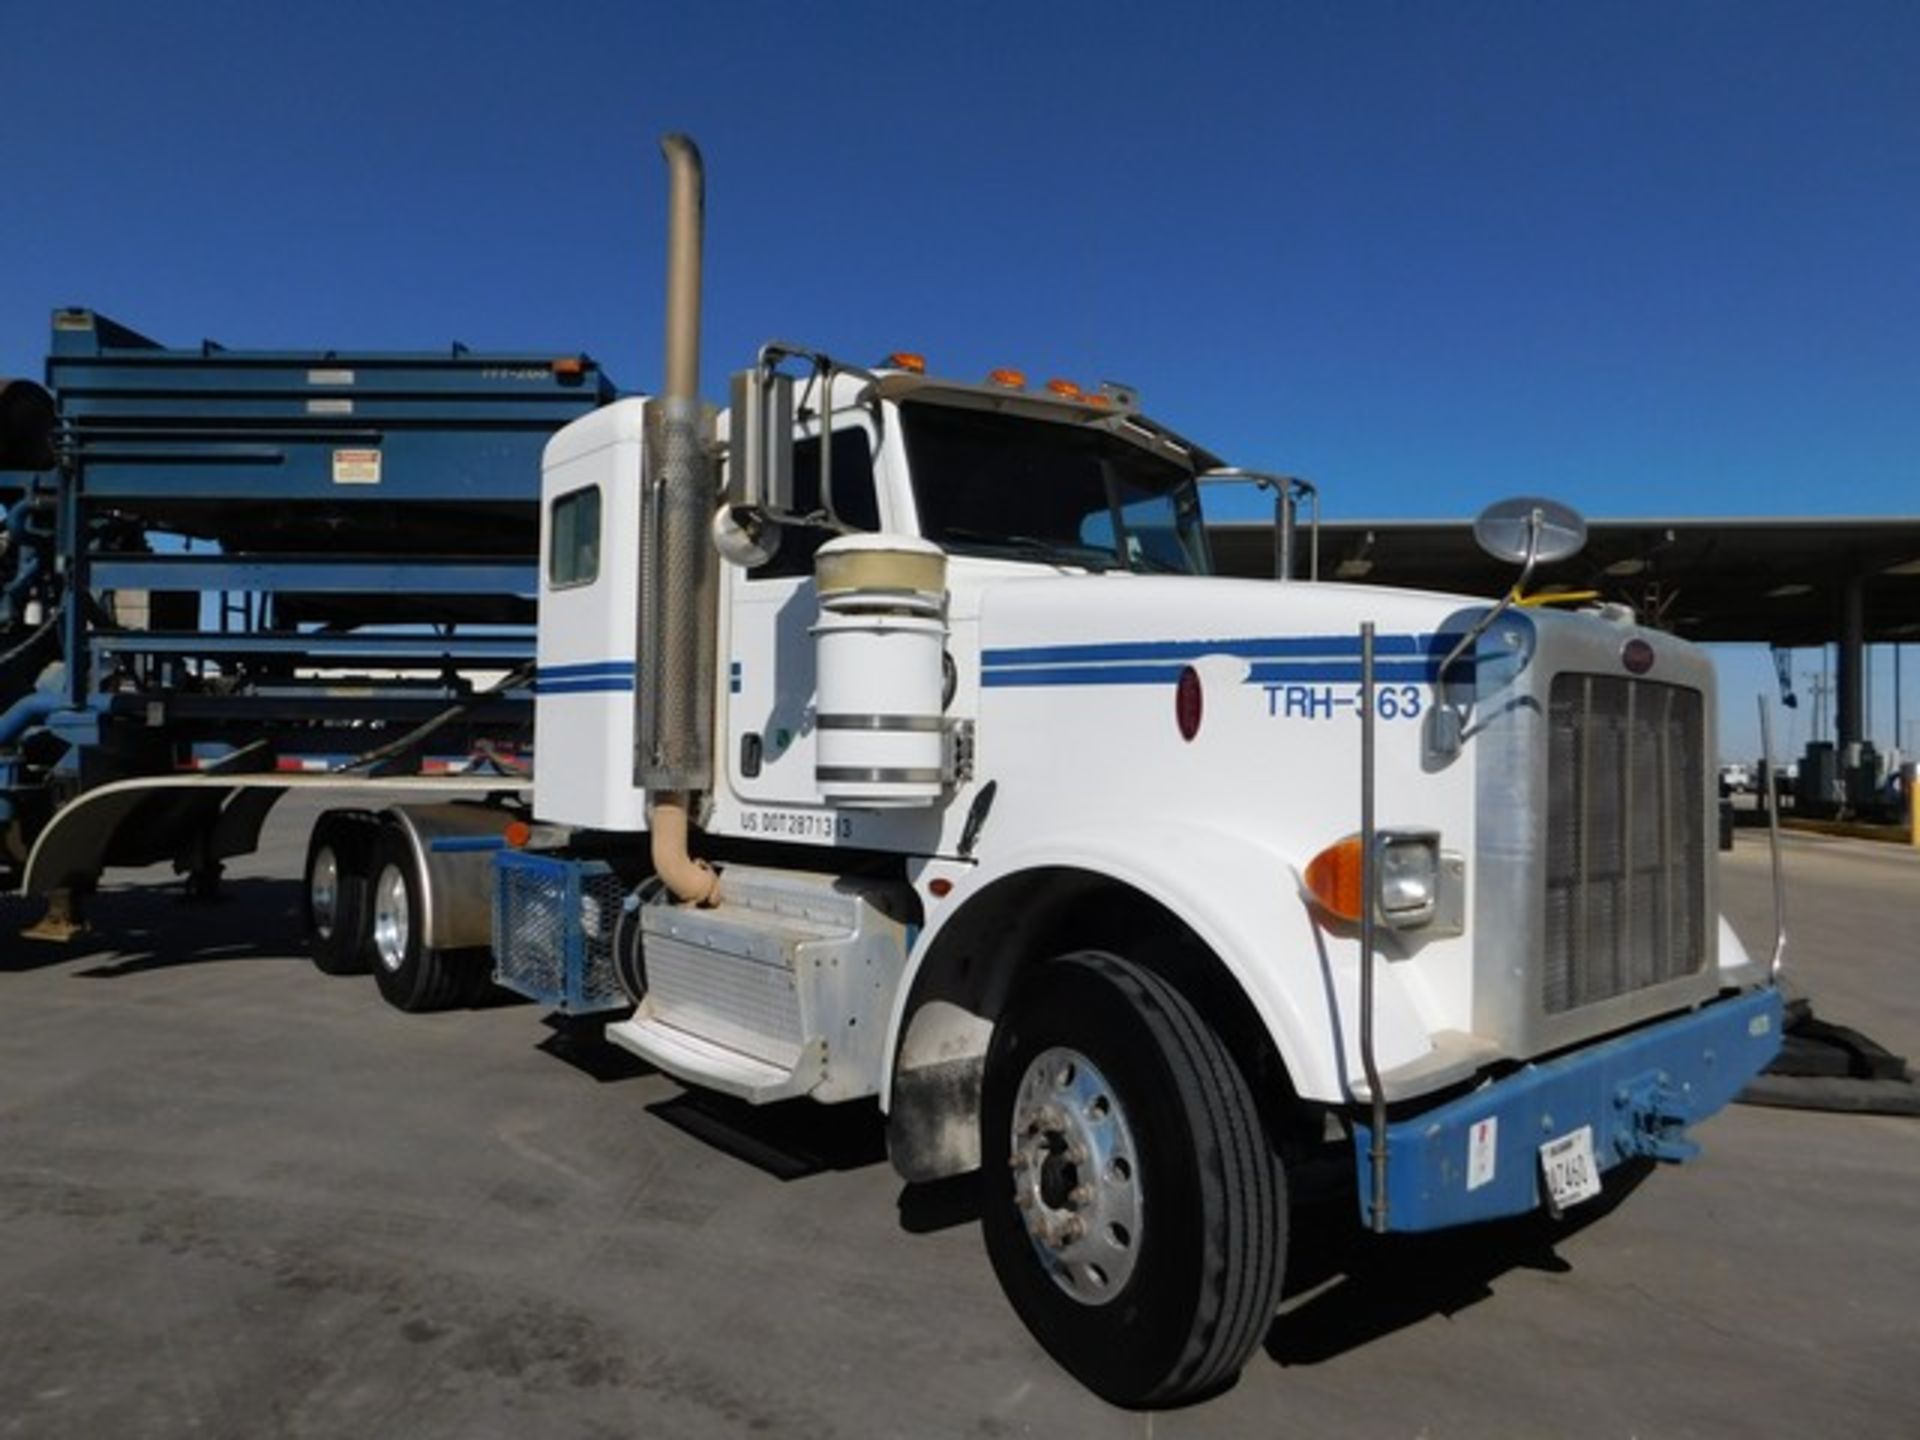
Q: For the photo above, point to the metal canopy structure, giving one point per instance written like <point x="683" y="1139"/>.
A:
<point x="1773" y="581"/>
<point x="1783" y="582"/>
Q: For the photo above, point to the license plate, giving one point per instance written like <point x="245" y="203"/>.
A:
<point x="1571" y="1173"/>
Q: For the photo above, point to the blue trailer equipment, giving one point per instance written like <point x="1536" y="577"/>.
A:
<point x="225" y="572"/>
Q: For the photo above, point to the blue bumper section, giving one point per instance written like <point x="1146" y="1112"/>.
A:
<point x="1638" y="1091"/>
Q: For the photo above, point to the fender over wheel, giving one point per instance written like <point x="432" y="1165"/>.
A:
<point x="1131" y="1203"/>
<point x="411" y="976"/>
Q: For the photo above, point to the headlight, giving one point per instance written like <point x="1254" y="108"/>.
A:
<point x="1407" y="877"/>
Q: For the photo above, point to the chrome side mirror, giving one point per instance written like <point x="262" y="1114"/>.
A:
<point x="1529" y="531"/>
<point x="1526" y="531"/>
<point x="760" y="442"/>
<point x="746" y="528"/>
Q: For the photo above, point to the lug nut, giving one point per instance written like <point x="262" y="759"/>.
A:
<point x="1080" y="1195"/>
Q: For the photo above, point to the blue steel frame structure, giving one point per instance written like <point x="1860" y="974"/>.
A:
<point x="269" y="558"/>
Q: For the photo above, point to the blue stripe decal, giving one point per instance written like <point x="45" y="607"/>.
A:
<point x="612" y="684"/>
<point x="1084" y="675"/>
<point x="1253" y="647"/>
<point x="592" y="669"/>
<point x="1327" y="672"/>
<point x="1345" y="672"/>
<point x="1285" y="659"/>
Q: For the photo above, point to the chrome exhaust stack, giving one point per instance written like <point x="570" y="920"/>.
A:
<point x="677" y="577"/>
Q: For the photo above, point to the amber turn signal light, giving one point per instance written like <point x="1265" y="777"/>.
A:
<point x="1333" y="879"/>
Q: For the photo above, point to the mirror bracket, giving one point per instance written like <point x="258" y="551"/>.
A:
<point x="1526" y="531"/>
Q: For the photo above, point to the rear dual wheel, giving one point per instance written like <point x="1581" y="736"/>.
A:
<point x="1131" y="1204"/>
<point x="411" y="976"/>
<point x="334" y="892"/>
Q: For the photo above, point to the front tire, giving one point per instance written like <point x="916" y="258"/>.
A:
<point x="1131" y="1204"/>
<point x="411" y="976"/>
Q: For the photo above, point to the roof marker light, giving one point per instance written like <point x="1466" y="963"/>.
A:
<point x="1008" y="379"/>
<point x="1066" y="389"/>
<point x="906" y="360"/>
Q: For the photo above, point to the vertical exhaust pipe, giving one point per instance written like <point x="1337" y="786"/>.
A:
<point x="686" y="220"/>
<point x="677" y="579"/>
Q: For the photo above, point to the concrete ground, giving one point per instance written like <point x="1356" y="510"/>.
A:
<point x="238" y="1198"/>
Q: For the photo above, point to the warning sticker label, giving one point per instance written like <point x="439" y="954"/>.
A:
<point x="356" y="467"/>
<point x="1483" y="1152"/>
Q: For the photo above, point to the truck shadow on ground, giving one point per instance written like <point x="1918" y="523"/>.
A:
<point x="790" y="1140"/>
<point x="142" y="929"/>
<point x="1346" y="1288"/>
<point x="581" y="1041"/>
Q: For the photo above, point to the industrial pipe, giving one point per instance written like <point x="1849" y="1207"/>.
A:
<point x="676" y="648"/>
<point x="28" y="710"/>
<point x="691" y="881"/>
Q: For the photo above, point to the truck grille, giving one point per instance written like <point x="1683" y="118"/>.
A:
<point x="1626" y="838"/>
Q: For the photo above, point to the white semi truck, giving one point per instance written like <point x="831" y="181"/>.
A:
<point x="893" y="740"/>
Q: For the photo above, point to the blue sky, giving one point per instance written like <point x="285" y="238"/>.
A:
<point x="1649" y="258"/>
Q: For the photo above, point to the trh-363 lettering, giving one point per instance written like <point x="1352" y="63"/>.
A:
<point x="1323" y="702"/>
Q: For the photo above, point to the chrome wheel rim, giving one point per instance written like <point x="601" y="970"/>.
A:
<point x="1076" y="1176"/>
<point x="391" y="918"/>
<point x="323" y="892"/>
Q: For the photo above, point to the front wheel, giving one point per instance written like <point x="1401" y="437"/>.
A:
<point x="1131" y="1205"/>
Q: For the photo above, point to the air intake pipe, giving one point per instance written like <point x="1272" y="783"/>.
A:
<point x="675" y="758"/>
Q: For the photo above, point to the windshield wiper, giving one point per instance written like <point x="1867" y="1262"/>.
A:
<point x="1088" y="557"/>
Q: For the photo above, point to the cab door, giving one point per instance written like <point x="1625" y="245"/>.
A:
<point x="770" y="678"/>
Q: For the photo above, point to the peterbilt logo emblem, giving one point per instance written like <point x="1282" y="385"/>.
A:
<point x="1637" y="656"/>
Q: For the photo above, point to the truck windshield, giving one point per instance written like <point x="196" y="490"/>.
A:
<point x="988" y="483"/>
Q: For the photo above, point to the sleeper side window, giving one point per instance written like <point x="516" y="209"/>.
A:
<point x="573" y="556"/>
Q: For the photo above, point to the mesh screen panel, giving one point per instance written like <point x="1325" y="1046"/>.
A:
<point x="553" y="932"/>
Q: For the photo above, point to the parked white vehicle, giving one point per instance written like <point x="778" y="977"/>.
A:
<point x="932" y="765"/>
